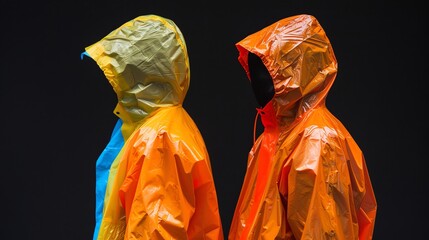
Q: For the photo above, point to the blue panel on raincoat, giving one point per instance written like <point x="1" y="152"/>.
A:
<point x="102" y="168"/>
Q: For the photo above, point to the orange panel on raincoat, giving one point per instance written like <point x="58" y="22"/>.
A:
<point x="306" y="177"/>
<point x="161" y="184"/>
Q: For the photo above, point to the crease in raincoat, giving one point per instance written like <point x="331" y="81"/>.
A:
<point x="306" y="177"/>
<point x="160" y="185"/>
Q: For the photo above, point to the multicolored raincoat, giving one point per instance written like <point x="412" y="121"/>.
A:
<point x="160" y="184"/>
<point x="306" y="177"/>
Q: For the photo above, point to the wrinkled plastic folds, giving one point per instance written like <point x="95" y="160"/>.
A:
<point x="306" y="177"/>
<point x="160" y="185"/>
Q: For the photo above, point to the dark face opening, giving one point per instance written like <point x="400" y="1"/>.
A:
<point x="260" y="78"/>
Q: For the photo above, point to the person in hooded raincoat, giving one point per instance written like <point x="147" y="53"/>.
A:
<point x="306" y="177"/>
<point x="160" y="184"/>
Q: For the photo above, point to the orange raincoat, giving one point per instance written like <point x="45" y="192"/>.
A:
<point x="160" y="185"/>
<point x="306" y="177"/>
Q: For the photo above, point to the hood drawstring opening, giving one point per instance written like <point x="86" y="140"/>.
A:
<point x="255" y="123"/>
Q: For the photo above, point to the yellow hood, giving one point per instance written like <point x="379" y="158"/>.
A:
<point x="146" y="62"/>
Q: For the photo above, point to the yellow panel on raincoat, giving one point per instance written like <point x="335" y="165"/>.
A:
<point x="160" y="186"/>
<point x="306" y="177"/>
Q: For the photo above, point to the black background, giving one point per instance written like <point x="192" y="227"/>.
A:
<point x="57" y="109"/>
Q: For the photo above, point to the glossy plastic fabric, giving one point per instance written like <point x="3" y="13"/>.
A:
<point x="160" y="185"/>
<point x="102" y="168"/>
<point x="306" y="177"/>
<point x="146" y="62"/>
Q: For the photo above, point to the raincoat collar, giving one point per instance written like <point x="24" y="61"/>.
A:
<point x="268" y="115"/>
<point x="268" y="119"/>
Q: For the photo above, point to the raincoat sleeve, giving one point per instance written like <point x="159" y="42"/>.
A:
<point x="327" y="187"/>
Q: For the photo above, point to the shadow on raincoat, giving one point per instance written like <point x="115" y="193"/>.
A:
<point x="160" y="183"/>
<point x="306" y="177"/>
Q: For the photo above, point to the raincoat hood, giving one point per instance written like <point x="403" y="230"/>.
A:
<point x="300" y="60"/>
<point x="146" y="62"/>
